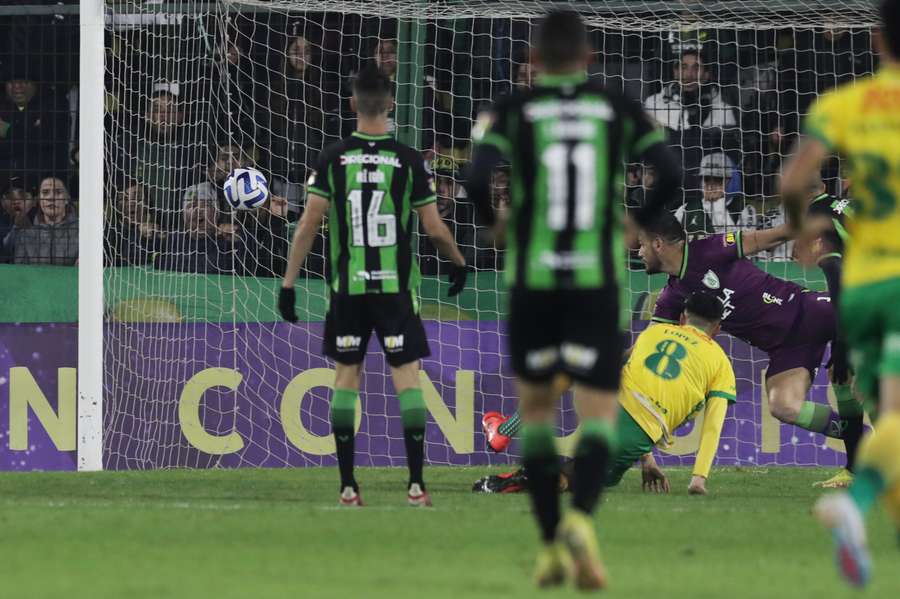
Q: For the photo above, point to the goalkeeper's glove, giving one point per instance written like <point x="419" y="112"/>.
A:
<point x="457" y="278"/>
<point x="286" y="299"/>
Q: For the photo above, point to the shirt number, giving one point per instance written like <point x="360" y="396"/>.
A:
<point x="557" y="158"/>
<point x="381" y="228"/>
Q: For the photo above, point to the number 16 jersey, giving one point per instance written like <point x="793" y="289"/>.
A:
<point x="567" y="140"/>
<point x="373" y="184"/>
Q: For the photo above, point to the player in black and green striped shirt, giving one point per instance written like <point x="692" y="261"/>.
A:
<point x="369" y="185"/>
<point x="567" y="141"/>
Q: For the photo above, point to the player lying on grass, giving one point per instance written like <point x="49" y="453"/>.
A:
<point x="674" y="372"/>
<point x="369" y="184"/>
<point x="861" y="123"/>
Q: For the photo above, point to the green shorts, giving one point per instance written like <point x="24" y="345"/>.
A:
<point x="870" y="322"/>
<point x="633" y="443"/>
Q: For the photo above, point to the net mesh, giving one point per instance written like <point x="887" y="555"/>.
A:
<point x="200" y="372"/>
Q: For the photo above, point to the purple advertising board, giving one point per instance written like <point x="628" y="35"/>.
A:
<point x="256" y="395"/>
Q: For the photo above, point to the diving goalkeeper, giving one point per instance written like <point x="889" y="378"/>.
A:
<point x="674" y="372"/>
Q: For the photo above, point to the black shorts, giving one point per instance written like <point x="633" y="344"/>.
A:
<point x="350" y="321"/>
<point x="575" y="332"/>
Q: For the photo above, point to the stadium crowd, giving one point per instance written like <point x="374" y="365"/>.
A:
<point x="276" y="91"/>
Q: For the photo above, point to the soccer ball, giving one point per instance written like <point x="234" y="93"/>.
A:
<point x="246" y="189"/>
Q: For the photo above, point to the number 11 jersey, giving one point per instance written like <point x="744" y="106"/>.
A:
<point x="568" y="140"/>
<point x="373" y="184"/>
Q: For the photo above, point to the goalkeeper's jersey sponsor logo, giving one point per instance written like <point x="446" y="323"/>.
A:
<point x="768" y="298"/>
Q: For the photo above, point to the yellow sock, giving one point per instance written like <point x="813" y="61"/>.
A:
<point x="878" y="465"/>
<point x="881" y="450"/>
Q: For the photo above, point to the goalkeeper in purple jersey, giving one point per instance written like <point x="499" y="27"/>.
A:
<point x="790" y="323"/>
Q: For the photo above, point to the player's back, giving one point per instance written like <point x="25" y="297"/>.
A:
<point x="861" y="121"/>
<point x="568" y="139"/>
<point x="672" y="371"/>
<point x="373" y="184"/>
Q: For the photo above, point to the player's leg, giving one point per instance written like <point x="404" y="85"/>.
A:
<point x="413" y="415"/>
<point x="633" y="443"/>
<point x="345" y="338"/>
<point x="402" y="336"/>
<point x="787" y="391"/>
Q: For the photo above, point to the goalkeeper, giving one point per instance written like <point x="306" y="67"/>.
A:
<point x="675" y="371"/>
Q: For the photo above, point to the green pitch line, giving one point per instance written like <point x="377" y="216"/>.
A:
<point x="278" y="533"/>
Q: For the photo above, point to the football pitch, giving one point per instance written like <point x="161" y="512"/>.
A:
<point x="279" y="533"/>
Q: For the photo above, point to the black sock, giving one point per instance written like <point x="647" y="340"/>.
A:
<point x="591" y="461"/>
<point x="343" y="439"/>
<point x="414" y="439"/>
<point x="853" y="432"/>
<point x="542" y="465"/>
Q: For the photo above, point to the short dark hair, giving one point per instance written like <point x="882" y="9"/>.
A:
<point x="561" y="38"/>
<point x="373" y="90"/>
<point x="890" y="25"/>
<point x="704" y="306"/>
<point x="667" y="227"/>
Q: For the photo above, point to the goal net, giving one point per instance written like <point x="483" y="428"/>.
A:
<point x="199" y="369"/>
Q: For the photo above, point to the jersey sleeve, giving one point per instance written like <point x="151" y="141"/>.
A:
<point x="669" y="306"/>
<point x="645" y="131"/>
<point x="423" y="191"/>
<point x="824" y="121"/>
<point x="723" y="383"/>
<point x="713" y="420"/>
<point x="493" y="127"/>
<point x="722" y="248"/>
<point x="319" y="181"/>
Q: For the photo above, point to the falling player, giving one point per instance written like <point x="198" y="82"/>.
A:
<point x="369" y="184"/>
<point x="861" y="123"/>
<point x="674" y="372"/>
<point x="567" y="140"/>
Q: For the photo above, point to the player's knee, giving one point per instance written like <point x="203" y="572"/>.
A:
<point x="783" y="407"/>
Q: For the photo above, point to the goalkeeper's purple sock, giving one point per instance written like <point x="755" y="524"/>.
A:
<point x="820" y="418"/>
<point x="511" y="426"/>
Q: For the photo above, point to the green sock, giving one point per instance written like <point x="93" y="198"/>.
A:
<point x="511" y="426"/>
<point x="343" y="408"/>
<point x="847" y="405"/>
<point x="412" y="409"/>
<point x="866" y="488"/>
<point x="600" y="430"/>
<point x="541" y="465"/>
<point x="819" y="418"/>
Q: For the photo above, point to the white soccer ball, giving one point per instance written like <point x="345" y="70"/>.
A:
<point x="246" y="189"/>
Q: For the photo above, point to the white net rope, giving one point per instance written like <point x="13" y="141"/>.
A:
<point x="200" y="372"/>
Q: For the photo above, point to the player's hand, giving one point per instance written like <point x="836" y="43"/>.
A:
<point x="457" y="278"/>
<point x="652" y="477"/>
<point x="697" y="486"/>
<point x="286" y="299"/>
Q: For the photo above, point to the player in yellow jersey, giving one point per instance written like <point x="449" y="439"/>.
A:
<point x="674" y="372"/>
<point x="861" y="123"/>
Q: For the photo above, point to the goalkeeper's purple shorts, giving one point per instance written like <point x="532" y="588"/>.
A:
<point x="804" y="347"/>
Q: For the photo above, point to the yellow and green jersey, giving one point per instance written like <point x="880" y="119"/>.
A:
<point x="861" y="122"/>
<point x="675" y="372"/>
<point x="373" y="184"/>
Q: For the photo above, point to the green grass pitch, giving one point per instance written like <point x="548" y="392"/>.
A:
<point x="279" y="533"/>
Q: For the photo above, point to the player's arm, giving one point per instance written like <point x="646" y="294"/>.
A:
<point x="301" y="244"/>
<point x="794" y="186"/>
<point x="492" y="146"/>
<point x="761" y="240"/>
<point x="648" y="146"/>
<point x="713" y="420"/>
<point x="443" y="240"/>
<point x="669" y="306"/>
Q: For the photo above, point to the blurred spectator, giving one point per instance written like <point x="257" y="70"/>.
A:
<point x="201" y="246"/>
<point x="226" y="158"/>
<point x="264" y="235"/>
<point x="457" y="215"/>
<point x="232" y="111"/>
<point x="131" y="235"/>
<point x="696" y="116"/>
<point x="16" y="203"/>
<point x="300" y="113"/>
<point x="34" y="127"/>
<point x="49" y="234"/>
<point x="640" y="180"/>
<point x="691" y="100"/>
<point x="717" y="211"/>
<point x="523" y="75"/>
<point x="161" y="156"/>
<point x="487" y="256"/>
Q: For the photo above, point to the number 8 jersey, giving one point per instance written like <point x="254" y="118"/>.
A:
<point x="568" y="140"/>
<point x="373" y="184"/>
